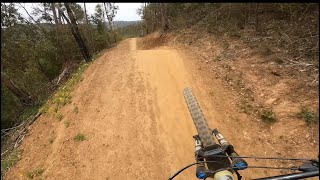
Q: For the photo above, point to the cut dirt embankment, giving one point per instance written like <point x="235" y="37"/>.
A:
<point x="252" y="97"/>
<point x="263" y="85"/>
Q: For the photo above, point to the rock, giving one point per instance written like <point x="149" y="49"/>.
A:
<point x="307" y="135"/>
<point x="271" y="100"/>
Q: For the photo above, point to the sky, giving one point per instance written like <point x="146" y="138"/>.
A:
<point x="126" y="12"/>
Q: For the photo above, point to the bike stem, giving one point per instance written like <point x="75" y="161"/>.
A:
<point x="229" y="149"/>
<point x="202" y="172"/>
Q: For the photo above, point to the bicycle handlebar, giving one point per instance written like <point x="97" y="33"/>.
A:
<point x="292" y="176"/>
<point x="310" y="169"/>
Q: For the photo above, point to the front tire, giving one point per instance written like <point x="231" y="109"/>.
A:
<point x="198" y="118"/>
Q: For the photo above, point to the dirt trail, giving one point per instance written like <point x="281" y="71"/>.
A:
<point x="137" y="124"/>
<point x="131" y="110"/>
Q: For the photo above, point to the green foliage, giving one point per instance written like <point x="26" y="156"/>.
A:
<point x="225" y="44"/>
<point x="33" y="55"/>
<point x="98" y="17"/>
<point x="9" y="107"/>
<point x="49" y="67"/>
<point x="309" y="116"/>
<point x="102" y="41"/>
<point x="290" y="7"/>
<point x="43" y="12"/>
<point x="235" y="33"/>
<point x="51" y="140"/>
<point x="44" y="108"/>
<point x="80" y="137"/>
<point x="9" y="161"/>
<point x="268" y="116"/>
<point x="9" y="15"/>
<point x="56" y="109"/>
<point x="63" y="94"/>
<point x="131" y="31"/>
<point x="219" y="58"/>
<point x="78" y="11"/>
<point x="59" y="116"/>
<point x="66" y="124"/>
<point x="30" y="111"/>
<point x="34" y="173"/>
<point x="276" y="24"/>
<point x="76" y="110"/>
<point x="264" y="50"/>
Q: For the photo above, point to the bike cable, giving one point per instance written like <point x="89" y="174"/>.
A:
<point x="234" y="168"/>
<point x="199" y="162"/>
<point x="271" y="158"/>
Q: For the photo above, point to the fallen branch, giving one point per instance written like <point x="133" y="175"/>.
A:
<point x="34" y="118"/>
<point x="296" y="62"/>
<point x="302" y="15"/>
<point x="4" y="130"/>
<point x="276" y="73"/>
<point x="21" y="130"/>
<point x="316" y="80"/>
<point x="5" y="152"/>
<point x="62" y="75"/>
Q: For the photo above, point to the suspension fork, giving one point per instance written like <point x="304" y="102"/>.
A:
<point x="201" y="169"/>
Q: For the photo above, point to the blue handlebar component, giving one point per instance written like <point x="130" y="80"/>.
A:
<point x="201" y="172"/>
<point x="201" y="175"/>
<point x="241" y="165"/>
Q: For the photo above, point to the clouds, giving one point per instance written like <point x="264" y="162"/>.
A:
<point x="126" y="12"/>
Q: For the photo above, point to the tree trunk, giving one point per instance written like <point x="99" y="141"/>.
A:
<point x="110" y="23"/>
<point x="104" y="16"/>
<point x="19" y="92"/>
<point x="44" y="72"/>
<point x="76" y="33"/>
<point x="58" y="25"/>
<point x="59" y="15"/>
<point x="85" y="13"/>
<point x="54" y="14"/>
<point x="104" y="20"/>
<point x="37" y="23"/>
<point x="257" y="19"/>
<point x="229" y="7"/>
<point x="155" y="19"/>
<point x="249" y="11"/>
<point x="245" y="14"/>
<point x="163" y="17"/>
<point x="144" y="13"/>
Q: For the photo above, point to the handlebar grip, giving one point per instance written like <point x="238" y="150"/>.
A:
<point x="201" y="171"/>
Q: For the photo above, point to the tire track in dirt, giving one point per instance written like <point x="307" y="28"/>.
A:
<point x="166" y="78"/>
